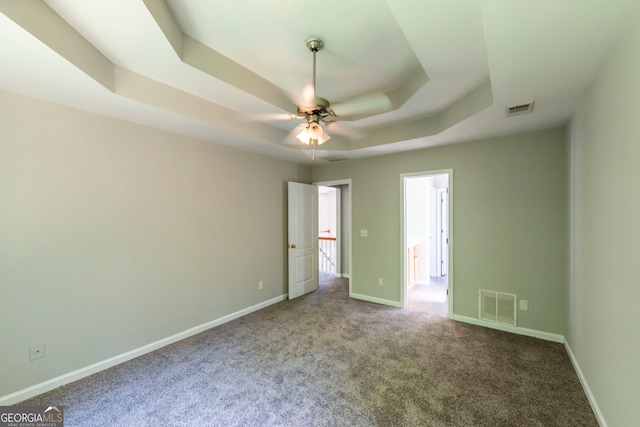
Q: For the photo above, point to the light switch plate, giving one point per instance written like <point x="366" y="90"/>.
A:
<point x="364" y="233"/>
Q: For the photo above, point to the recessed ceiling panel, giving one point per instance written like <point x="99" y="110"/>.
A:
<point x="364" y="48"/>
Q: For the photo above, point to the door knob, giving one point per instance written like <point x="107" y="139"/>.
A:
<point x="292" y="246"/>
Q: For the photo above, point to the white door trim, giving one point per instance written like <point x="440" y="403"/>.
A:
<point x="338" y="231"/>
<point x="403" y="235"/>
<point x="349" y="185"/>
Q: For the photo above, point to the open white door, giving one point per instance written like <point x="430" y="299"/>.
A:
<point x="303" y="239"/>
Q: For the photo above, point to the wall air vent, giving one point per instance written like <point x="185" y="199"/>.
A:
<point x="516" y="110"/>
<point x="497" y="307"/>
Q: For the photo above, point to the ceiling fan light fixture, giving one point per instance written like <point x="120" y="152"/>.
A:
<point x="324" y="137"/>
<point x="318" y="133"/>
<point x="303" y="136"/>
<point x="315" y="130"/>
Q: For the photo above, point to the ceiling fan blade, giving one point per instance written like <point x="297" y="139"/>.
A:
<point x="338" y="128"/>
<point x="366" y="105"/>
<point x="308" y="95"/>
<point x="272" y="117"/>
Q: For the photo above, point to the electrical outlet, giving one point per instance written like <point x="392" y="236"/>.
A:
<point x="260" y="285"/>
<point x="380" y="281"/>
<point x="524" y="305"/>
<point x="364" y="233"/>
<point x="36" y="351"/>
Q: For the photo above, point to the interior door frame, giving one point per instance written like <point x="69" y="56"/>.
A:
<point x="403" y="235"/>
<point x="443" y="238"/>
<point x="338" y="213"/>
<point x="349" y="185"/>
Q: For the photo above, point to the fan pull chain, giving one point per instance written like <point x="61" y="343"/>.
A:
<point x="313" y="149"/>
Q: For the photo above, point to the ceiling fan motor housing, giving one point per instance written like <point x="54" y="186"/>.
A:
<point x="320" y="108"/>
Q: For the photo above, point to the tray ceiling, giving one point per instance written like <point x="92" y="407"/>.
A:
<point x="438" y="72"/>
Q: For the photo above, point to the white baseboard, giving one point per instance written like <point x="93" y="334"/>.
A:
<point x="585" y="387"/>
<point x="507" y="328"/>
<point x="376" y="300"/>
<point x="45" y="386"/>
<point x="345" y="275"/>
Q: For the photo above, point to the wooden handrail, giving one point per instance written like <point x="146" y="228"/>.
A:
<point x="326" y="238"/>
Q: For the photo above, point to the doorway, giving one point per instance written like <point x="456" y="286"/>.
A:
<point x="328" y="230"/>
<point x="334" y="222"/>
<point x="426" y="241"/>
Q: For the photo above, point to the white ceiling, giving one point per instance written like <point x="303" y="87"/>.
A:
<point x="444" y="71"/>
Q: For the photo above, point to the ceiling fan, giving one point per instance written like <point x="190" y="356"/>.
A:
<point x="317" y="110"/>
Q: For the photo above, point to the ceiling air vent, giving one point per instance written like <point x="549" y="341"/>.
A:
<point x="334" y="158"/>
<point x="516" y="110"/>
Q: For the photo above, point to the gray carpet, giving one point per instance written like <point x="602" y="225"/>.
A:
<point x="327" y="360"/>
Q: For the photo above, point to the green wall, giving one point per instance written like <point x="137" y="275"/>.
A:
<point x="603" y="317"/>
<point x="114" y="235"/>
<point x="509" y="221"/>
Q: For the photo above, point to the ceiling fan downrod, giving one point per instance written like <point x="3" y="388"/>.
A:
<point x="314" y="44"/>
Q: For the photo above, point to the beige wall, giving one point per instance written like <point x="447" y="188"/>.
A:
<point x="604" y="290"/>
<point x="509" y="219"/>
<point x="114" y="235"/>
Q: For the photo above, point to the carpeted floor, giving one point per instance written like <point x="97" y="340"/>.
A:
<point x="327" y="360"/>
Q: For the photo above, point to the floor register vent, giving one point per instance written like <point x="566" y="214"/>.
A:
<point x="497" y="307"/>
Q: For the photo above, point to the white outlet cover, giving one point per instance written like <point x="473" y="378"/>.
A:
<point x="36" y="351"/>
<point x="364" y="233"/>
